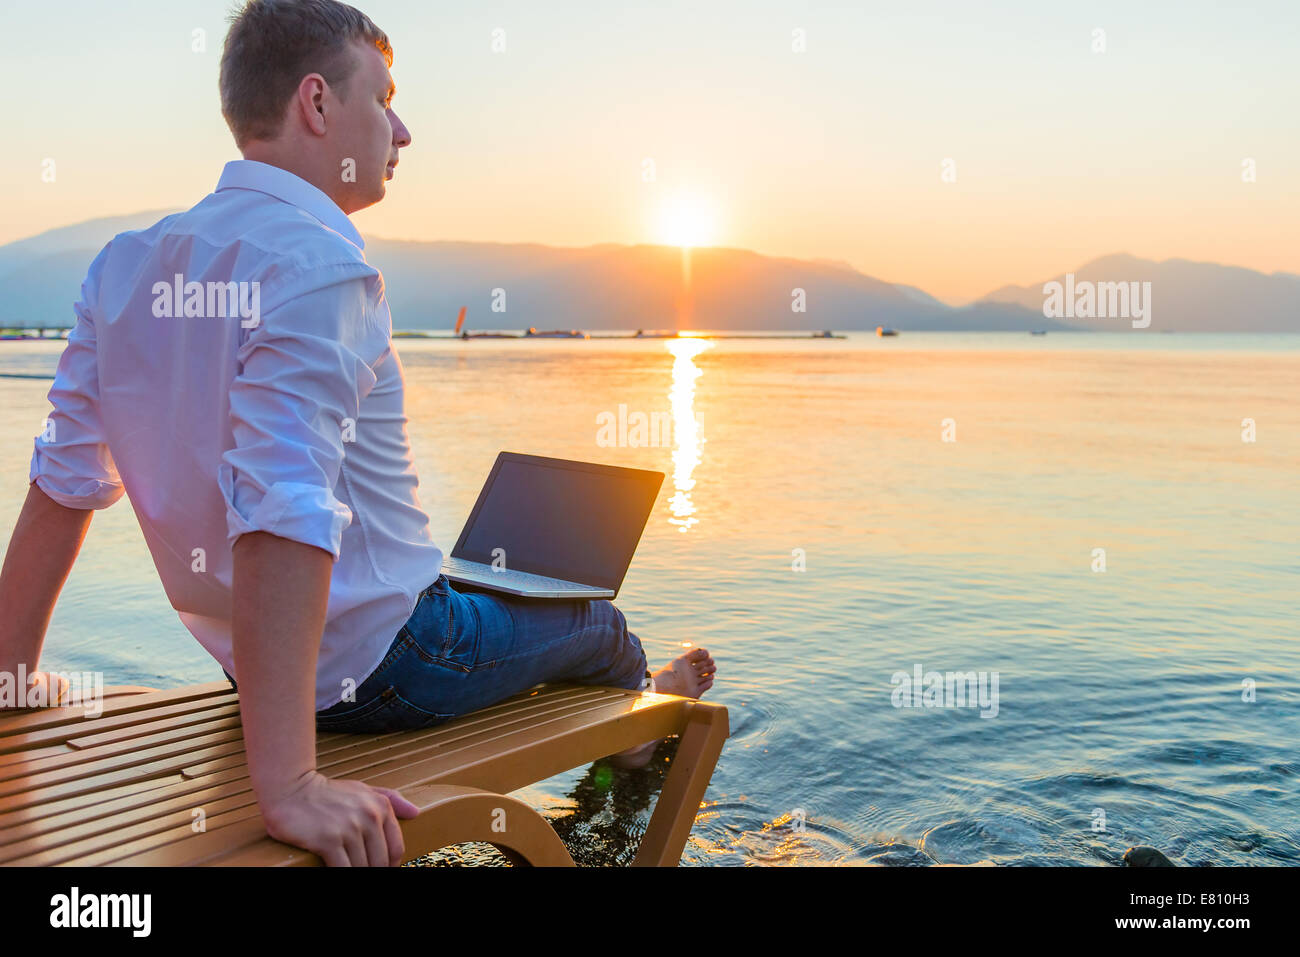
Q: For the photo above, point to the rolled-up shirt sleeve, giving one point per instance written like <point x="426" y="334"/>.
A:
<point x="71" y="462"/>
<point x="303" y="371"/>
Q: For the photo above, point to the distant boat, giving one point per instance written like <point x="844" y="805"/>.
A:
<point x="1038" y="332"/>
<point x="532" y="333"/>
<point x="824" y="334"/>
<point x="882" y="331"/>
<point x="655" y="334"/>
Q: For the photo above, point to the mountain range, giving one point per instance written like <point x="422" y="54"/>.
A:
<point x="611" y="286"/>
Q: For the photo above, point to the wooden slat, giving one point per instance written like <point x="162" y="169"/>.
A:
<point x="136" y="764"/>
<point x="61" y="735"/>
<point x="146" y="738"/>
<point x="13" y="727"/>
<point x="168" y="724"/>
<point x="24" y="821"/>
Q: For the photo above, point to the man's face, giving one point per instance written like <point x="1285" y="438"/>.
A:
<point x="370" y="134"/>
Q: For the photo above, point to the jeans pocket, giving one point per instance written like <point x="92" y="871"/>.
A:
<point x="340" y="720"/>
<point x="387" y="712"/>
<point x="445" y="629"/>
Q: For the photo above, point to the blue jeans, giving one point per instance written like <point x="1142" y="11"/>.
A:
<point x="462" y="650"/>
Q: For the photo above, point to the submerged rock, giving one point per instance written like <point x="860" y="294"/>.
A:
<point x="1146" y="857"/>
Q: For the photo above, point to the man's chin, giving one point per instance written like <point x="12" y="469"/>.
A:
<point x="374" y="195"/>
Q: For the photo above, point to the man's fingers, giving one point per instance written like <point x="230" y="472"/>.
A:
<point x="376" y="834"/>
<point x="401" y="806"/>
<point x="335" y="856"/>
<point x="395" y="806"/>
<point x="393" y="835"/>
<point x="356" y="848"/>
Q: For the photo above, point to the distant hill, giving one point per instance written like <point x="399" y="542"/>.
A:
<point x="40" y="277"/>
<point x="89" y="236"/>
<point x="1185" y="296"/>
<point x="640" y="287"/>
<point x="611" y="286"/>
<point x="919" y="295"/>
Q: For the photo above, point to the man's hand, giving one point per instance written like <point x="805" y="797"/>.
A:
<point x="348" y="823"/>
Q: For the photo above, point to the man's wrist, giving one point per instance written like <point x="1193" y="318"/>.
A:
<point x="278" y="786"/>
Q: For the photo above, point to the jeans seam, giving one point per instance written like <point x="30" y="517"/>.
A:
<point x="444" y="653"/>
<point x="398" y="648"/>
<point x="451" y="627"/>
<point x="364" y="710"/>
<point x="417" y="709"/>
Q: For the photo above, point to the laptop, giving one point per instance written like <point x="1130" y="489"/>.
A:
<point x="552" y="528"/>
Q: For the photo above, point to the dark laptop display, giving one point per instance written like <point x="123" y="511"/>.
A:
<point x="572" y="520"/>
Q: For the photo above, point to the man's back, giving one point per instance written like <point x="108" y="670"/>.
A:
<point x="232" y="369"/>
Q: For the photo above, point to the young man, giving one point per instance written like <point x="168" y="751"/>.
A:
<point x="232" y="371"/>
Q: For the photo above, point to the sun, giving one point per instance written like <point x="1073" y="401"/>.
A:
<point x="687" y="220"/>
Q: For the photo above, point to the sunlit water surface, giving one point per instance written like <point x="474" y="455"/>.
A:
<point x="818" y="535"/>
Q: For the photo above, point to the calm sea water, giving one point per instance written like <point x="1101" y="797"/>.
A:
<point x="1122" y="695"/>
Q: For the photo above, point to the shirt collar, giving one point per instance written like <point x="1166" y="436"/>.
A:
<point x="290" y="188"/>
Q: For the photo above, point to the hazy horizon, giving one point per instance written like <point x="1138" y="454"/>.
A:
<point x="657" y="286"/>
<point x="989" y="293"/>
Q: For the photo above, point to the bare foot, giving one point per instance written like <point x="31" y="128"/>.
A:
<point x="688" y="675"/>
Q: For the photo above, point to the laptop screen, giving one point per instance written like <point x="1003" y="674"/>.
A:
<point x="572" y="520"/>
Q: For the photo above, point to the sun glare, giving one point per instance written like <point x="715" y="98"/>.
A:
<point x="687" y="220"/>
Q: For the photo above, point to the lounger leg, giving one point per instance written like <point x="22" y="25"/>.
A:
<point x="684" y="787"/>
<point x="451" y="814"/>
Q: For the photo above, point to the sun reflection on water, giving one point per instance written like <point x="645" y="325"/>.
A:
<point x="686" y="429"/>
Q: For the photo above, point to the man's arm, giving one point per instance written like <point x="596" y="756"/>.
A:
<point x="281" y="589"/>
<point x="45" y="543"/>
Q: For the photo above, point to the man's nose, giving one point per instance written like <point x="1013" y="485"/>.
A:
<point x="401" y="135"/>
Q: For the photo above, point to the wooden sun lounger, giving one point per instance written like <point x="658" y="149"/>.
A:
<point x="160" y="777"/>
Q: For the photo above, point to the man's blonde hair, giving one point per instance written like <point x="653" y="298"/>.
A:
<point x="273" y="44"/>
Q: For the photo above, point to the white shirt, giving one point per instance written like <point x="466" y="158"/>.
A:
<point x="285" y="418"/>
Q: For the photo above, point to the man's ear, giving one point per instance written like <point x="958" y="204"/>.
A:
<point x="310" y="102"/>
